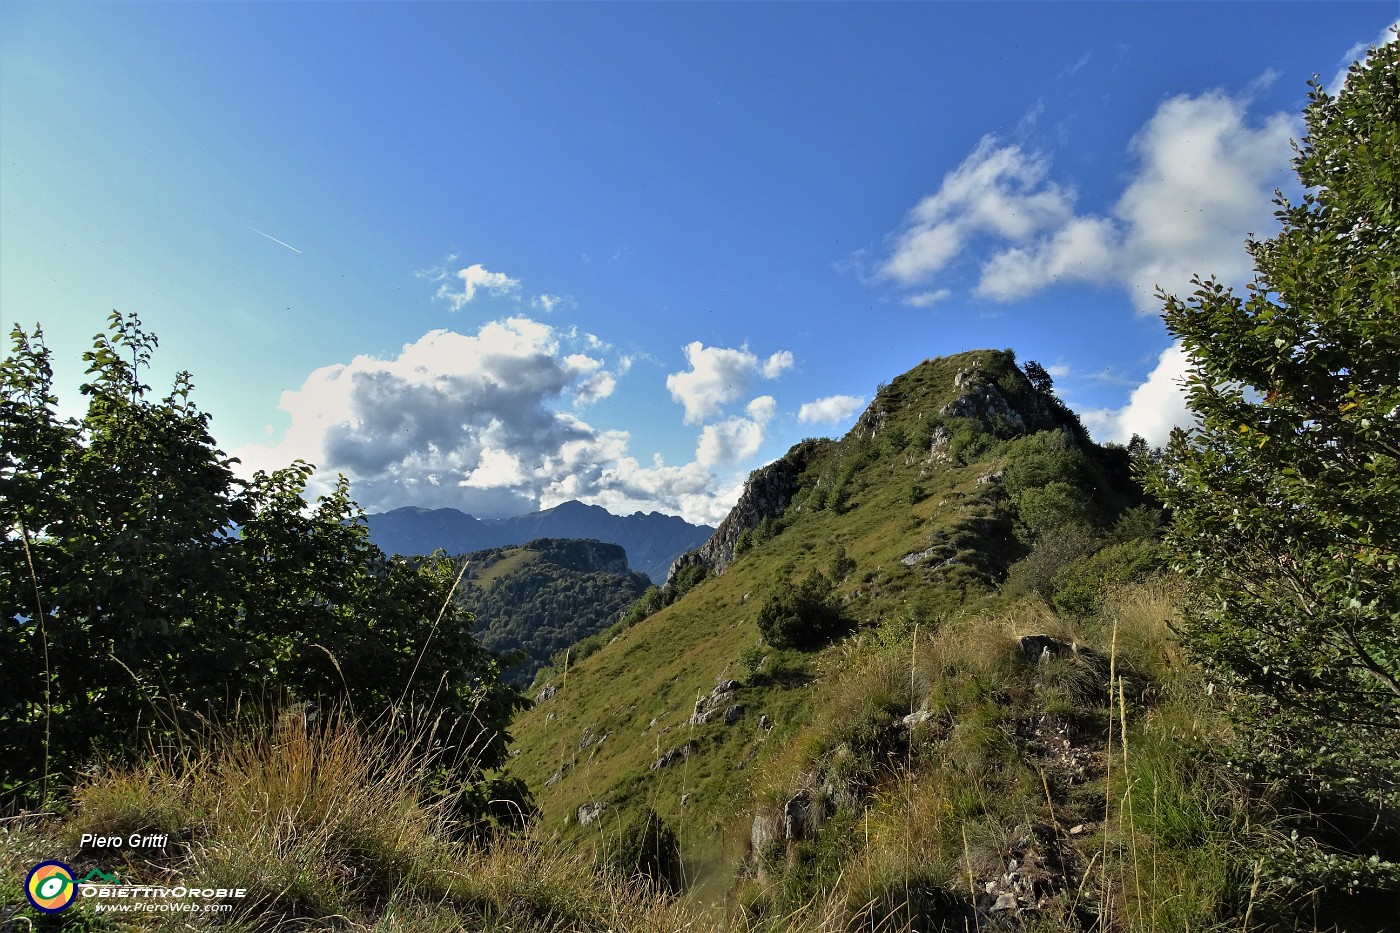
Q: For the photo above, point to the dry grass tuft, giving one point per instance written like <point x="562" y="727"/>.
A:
<point x="328" y="824"/>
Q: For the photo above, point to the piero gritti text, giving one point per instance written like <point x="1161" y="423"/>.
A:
<point x="134" y="841"/>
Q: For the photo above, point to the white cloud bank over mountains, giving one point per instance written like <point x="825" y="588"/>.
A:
<point x="488" y="422"/>
<point x="1203" y="182"/>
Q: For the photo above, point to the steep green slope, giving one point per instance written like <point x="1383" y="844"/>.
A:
<point x="961" y="489"/>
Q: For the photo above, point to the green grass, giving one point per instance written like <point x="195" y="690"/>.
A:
<point x="513" y="559"/>
<point x="935" y="636"/>
<point x="1158" y="852"/>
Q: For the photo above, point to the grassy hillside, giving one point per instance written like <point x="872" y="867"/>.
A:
<point x="896" y="768"/>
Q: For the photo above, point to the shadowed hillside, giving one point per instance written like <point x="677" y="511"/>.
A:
<point x="545" y="595"/>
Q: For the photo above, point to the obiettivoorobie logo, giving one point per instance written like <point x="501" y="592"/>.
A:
<point x="51" y="887"/>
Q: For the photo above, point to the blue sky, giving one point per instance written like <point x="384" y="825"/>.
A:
<point x="501" y="256"/>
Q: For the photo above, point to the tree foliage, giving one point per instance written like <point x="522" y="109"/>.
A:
<point x="143" y="585"/>
<point x="1287" y="497"/>
<point x="1039" y="377"/>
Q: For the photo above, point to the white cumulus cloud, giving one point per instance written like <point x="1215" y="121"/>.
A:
<point x="830" y="410"/>
<point x="548" y="303"/>
<point x="482" y="422"/>
<point x="595" y="388"/>
<point x="1202" y="181"/>
<point x="1083" y="249"/>
<point x="729" y="441"/>
<point x="928" y="299"/>
<point x="1000" y="190"/>
<point x="1154" y="408"/>
<point x="718" y="376"/>
<point x="476" y="278"/>
<point x="1205" y="181"/>
<point x="762" y="409"/>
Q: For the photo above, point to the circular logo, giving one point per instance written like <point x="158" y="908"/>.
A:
<point x="50" y="887"/>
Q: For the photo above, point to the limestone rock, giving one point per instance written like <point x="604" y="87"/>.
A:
<point x="916" y="718"/>
<point x="796" y="817"/>
<point x="765" y="833"/>
<point x="673" y="755"/>
<point x="719" y="698"/>
<point x="589" y="812"/>
<point x="767" y="494"/>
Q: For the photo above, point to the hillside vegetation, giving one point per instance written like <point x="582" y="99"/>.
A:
<point x="539" y="598"/>
<point x="954" y="671"/>
<point x="946" y="578"/>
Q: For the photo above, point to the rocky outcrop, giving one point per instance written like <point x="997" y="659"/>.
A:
<point x="766" y="834"/>
<point x="767" y="494"/>
<point x="673" y="755"/>
<point x="589" y="812"/>
<point x="983" y="399"/>
<point x="718" y="699"/>
<point x="1040" y="864"/>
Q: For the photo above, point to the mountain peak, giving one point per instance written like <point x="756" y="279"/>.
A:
<point x="574" y="507"/>
<point x="929" y="407"/>
<point x="984" y="385"/>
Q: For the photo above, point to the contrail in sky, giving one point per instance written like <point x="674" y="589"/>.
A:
<point x="273" y="238"/>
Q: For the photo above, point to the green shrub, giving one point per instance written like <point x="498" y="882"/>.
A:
<point x="1079" y="587"/>
<point x="1035" y="573"/>
<point x="802" y="616"/>
<point x="1043" y="458"/>
<point x="968" y="439"/>
<point x="116" y="536"/>
<point x="841" y="565"/>
<point x="752" y="659"/>
<point x="644" y="847"/>
<point x="1045" y="509"/>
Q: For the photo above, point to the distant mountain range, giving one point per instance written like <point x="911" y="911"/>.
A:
<point x="652" y="541"/>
